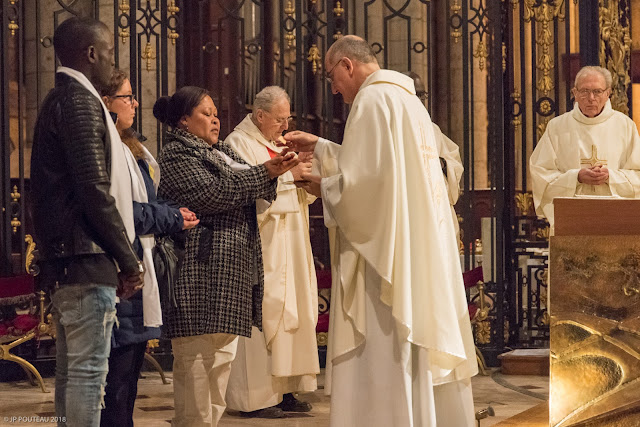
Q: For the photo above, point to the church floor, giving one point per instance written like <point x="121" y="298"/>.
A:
<point x="508" y="395"/>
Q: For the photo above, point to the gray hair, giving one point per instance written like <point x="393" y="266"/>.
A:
<point x="352" y="47"/>
<point x="592" y="69"/>
<point x="269" y="96"/>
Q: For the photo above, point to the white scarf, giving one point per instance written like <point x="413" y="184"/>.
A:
<point x="125" y="188"/>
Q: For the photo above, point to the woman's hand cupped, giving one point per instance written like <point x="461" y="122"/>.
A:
<point x="281" y="163"/>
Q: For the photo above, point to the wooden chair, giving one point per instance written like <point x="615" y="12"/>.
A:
<point x="16" y="291"/>
<point x="478" y="309"/>
<point x="324" y="298"/>
<point x="152" y="360"/>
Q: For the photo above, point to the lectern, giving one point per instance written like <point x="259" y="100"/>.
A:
<point x="594" y="304"/>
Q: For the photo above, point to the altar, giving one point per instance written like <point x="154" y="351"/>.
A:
<point x="594" y="272"/>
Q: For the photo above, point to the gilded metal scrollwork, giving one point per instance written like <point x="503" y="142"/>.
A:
<point x="615" y="51"/>
<point x="172" y="10"/>
<point x="322" y="338"/>
<point x="13" y="25"/>
<point x="545" y="319"/>
<point x="124" y="9"/>
<point x="29" y="256"/>
<point x="483" y="332"/>
<point x="456" y="31"/>
<point x="504" y="57"/>
<point x="543" y="233"/>
<point x="517" y="98"/>
<point x="481" y="54"/>
<point x="481" y="319"/>
<point x="148" y="55"/>
<point x="544" y="13"/>
<point x="15" y="198"/>
<point x="289" y="11"/>
<point x="314" y="57"/>
<point x="338" y="10"/>
<point x="524" y="202"/>
<point x="628" y="266"/>
<point x="542" y="127"/>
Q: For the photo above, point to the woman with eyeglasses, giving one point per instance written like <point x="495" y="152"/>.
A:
<point x="139" y="317"/>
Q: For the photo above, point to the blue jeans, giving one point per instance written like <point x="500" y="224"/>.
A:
<point x="84" y="316"/>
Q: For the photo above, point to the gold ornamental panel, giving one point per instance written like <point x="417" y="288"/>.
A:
<point x="595" y="331"/>
<point x="615" y="49"/>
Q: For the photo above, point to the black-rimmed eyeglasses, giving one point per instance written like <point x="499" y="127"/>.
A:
<point x="127" y="98"/>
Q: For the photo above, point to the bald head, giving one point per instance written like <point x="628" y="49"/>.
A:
<point x="352" y="47"/>
<point x="348" y="63"/>
<point x="72" y="38"/>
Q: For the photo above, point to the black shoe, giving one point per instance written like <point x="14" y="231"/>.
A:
<point x="291" y="404"/>
<point x="270" y="412"/>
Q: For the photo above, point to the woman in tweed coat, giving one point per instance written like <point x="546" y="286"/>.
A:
<point x="219" y="290"/>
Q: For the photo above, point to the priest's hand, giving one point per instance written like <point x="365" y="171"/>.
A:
<point x="593" y="176"/>
<point x="305" y="156"/>
<point x="311" y="184"/>
<point x="301" y="169"/>
<point x="301" y="141"/>
<point x="281" y="163"/>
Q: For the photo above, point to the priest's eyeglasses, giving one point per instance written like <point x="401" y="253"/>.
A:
<point x="329" y="76"/>
<point x="585" y="93"/>
<point x="280" y="120"/>
<point x="126" y="98"/>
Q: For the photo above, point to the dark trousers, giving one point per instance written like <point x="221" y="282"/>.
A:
<point x="122" y="385"/>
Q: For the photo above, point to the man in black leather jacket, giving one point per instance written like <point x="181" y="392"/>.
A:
<point x="80" y="232"/>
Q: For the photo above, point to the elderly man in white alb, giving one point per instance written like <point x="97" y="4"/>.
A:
<point x="284" y="357"/>
<point x="401" y="351"/>
<point x="591" y="150"/>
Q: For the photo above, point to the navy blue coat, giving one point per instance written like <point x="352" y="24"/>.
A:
<point x="154" y="217"/>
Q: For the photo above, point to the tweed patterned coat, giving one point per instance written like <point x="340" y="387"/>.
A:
<point x="221" y="283"/>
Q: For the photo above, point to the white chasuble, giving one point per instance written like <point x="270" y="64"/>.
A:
<point x="573" y="141"/>
<point x="284" y="357"/>
<point x="394" y="250"/>
<point x="450" y="152"/>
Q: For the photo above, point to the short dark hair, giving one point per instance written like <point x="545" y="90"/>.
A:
<point x="74" y="35"/>
<point x="170" y="109"/>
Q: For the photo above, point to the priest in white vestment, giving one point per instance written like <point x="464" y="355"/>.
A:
<point x="284" y="357"/>
<point x="451" y="163"/>
<point x="401" y="351"/>
<point x="591" y="150"/>
<point x="448" y="151"/>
